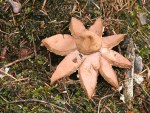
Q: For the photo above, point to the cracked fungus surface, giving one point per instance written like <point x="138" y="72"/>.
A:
<point x="88" y="52"/>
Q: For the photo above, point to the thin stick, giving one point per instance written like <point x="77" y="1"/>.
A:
<point x="99" y="105"/>
<point x="34" y="46"/>
<point x="36" y="100"/>
<point x="18" y="80"/>
<point x="43" y="5"/>
<point x="4" y="73"/>
<point x="18" y="60"/>
<point x="128" y="83"/>
<point x="4" y="32"/>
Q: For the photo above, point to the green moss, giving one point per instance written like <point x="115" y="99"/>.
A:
<point x="24" y="30"/>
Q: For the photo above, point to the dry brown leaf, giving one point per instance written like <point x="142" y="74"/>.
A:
<point x="142" y="17"/>
<point x="15" y="5"/>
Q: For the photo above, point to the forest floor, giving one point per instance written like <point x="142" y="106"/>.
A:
<point x="26" y="87"/>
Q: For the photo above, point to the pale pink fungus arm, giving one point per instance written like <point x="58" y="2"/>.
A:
<point x="60" y="44"/>
<point x="88" y="73"/>
<point x="76" y="27"/>
<point x="68" y="65"/>
<point x="115" y="58"/>
<point x="112" y="41"/>
<point x="97" y="27"/>
<point x="108" y="73"/>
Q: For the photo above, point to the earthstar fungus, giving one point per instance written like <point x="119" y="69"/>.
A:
<point x="88" y="52"/>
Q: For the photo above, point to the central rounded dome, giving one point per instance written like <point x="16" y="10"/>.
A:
<point x="88" y="42"/>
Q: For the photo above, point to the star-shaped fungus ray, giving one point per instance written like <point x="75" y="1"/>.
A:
<point x="68" y="65"/>
<point x="88" y="72"/>
<point x="112" y="41"/>
<point x="60" y="44"/>
<point x="115" y="58"/>
<point x="107" y="72"/>
<point x="86" y="41"/>
<point x="89" y="53"/>
<point x="76" y="27"/>
<point x="97" y="27"/>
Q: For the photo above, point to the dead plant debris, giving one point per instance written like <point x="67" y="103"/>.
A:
<point x="25" y="66"/>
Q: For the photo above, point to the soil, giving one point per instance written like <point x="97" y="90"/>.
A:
<point x="20" y="38"/>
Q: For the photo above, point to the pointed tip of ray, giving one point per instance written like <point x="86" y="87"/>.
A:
<point x="88" y="73"/>
<point x="97" y="27"/>
<point x="90" y="96"/>
<point x="51" y="81"/>
<point x="76" y="27"/>
<point x="116" y="59"/>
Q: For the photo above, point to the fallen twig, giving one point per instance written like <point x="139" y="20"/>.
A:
<point x="4" y="73"/>
<point x="18" y="80"/>
<point x="43" y="5"/>
<point x="99" y="105"/>
<point x="128" y="83"/>
<point x="18" y="60"/>
<point x="47" y="104"/>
